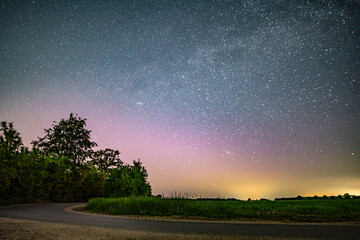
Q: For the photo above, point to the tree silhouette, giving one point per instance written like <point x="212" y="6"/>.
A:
<point x="67" y="138"/>
<point x="10" y="140"/>
<point x="347" y="196"/>
<point x="54" y="169"/>
<point x="128" y="180"/>
<point x="10" y="146"/>
<point x="105" y="159"/>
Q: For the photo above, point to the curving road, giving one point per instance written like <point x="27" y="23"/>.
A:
<point x="54" y="212"/>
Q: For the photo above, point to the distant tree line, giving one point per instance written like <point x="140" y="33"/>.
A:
<point x="324" y="197"/>
<point x="63" y="167"/>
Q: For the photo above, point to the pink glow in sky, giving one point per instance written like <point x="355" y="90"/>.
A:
<point x="224" y="99"/>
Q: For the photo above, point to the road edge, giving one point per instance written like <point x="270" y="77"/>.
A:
<point x="81" y="210"/>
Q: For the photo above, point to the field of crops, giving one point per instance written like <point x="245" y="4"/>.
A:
<point x="298" y="211"/>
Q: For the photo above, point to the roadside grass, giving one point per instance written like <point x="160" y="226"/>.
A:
<point x="293" y="211"/>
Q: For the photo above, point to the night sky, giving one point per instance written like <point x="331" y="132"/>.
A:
<point x="217" y="98"/>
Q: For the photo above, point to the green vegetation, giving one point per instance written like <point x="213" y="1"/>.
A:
<point x="63" y="167"/>
<point x="299" y="211"/>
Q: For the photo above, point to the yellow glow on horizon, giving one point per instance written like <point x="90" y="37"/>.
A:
<point x="213" y="182"/>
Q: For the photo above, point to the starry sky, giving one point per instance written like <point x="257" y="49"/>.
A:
<point x="217" y="98"/>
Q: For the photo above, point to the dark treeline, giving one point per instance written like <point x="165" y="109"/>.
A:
<point x="345" y="196"/>
<point x="63" y="167"/>
<point x="217" y="199"/>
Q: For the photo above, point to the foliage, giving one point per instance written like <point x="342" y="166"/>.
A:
<point x="10" y="144"/>
<point x="304" y="211"/>
<point x="10" y="140"/>
<point x="57" y="168"/>
<point x="128" y="180"/>
<point x="345" y="196"/>
<point x="105" y="159"/>
<point x="68" y="138"/>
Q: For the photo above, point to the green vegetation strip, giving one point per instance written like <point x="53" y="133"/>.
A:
<point x="298" y="211"/>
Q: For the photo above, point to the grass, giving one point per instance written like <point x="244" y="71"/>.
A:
<point x="296" y="211"/>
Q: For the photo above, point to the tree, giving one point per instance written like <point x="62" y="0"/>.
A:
<point x="127" y="181"/>
<point x="68" y="138"/>
<point x="10" y="146"/>
<point x="105" y="159"/>
<point x="140" y="184"/>
<point x="347" y="196"/>
<point x="10" y="140"/>
<point x="93" y="186"/>
<point x="54" y="170"/>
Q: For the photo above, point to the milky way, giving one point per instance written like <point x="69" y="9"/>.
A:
<point x="218" y="98"/>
